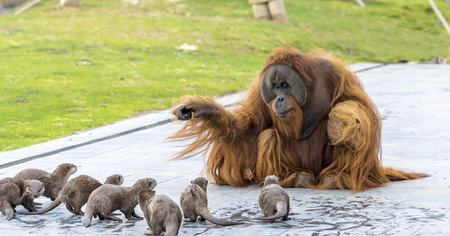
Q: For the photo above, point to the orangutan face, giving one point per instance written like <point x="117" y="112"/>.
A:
<point x="280" y="87"/>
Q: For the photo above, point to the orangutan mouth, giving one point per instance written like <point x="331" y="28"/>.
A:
<point x="282" y="114"/>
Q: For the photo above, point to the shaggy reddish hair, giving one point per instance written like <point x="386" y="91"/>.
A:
<point x="249" y="143"/>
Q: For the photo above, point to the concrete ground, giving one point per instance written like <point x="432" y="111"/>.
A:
<point x="413" y="99"/>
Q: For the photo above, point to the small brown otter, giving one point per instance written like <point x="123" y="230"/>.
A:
<point x="53" y="182"/>
<point x="108" y="198"/>
<point x="273" y="200"/>
<point x="76" y="193"/>
<point x="160" y="212"/>
<point x="13" y="191"/>
<point x="194" y="202"/>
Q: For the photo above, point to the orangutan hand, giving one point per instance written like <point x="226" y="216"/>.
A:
<point x="195" y="107"/>
<point x="183" y="113"/>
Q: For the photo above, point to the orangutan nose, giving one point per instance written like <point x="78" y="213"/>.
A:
<point x="280" y="104"/>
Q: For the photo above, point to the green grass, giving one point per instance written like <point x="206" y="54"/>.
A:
<point x="65" y="70"/>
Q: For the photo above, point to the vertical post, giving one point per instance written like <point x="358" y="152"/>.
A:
<point x="360" y="2"/>
<point x="69" y="3"/>
<point x="440" y="16"/>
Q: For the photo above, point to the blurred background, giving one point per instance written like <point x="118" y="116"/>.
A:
<point x="68" y="66"/>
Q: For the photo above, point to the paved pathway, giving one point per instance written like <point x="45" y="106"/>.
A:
<point x="414" y="101"/>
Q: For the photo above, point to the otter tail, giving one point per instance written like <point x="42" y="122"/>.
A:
<point x="88" y="216"/>
<point x="52" y="206"/>
<point x="6" y="209"/>
<point x="281" y="212"/>
<point x="204" y="212"/>
<point x="397" y="175"/>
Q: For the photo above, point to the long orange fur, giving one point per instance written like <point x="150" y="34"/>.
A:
<point x="250" y="142"/>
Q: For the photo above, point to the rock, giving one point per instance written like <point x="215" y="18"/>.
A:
<point x="269" y="10"/>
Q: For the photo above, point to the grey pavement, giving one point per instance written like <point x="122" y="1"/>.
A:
<point x="413" y="100"/>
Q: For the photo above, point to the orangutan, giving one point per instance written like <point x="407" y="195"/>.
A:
<point x="305" y="119"/>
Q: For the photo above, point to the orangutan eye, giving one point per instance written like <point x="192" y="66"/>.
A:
<point x="284" y="85"/>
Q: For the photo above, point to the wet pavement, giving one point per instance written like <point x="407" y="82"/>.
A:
<point x="413" y="100"/>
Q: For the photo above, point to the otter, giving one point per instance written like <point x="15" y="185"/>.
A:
<point x="273" y="200"/>
<point x="160" y="212"/>
<point x="194" y="202"/>
<point x="15" y="191"/>
<point x="108" y="198"/>
<point x="53" y="182"/>
<point x="76" y="193"/>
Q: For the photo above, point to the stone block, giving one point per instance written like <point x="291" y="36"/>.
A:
<point x="69" y="3"/>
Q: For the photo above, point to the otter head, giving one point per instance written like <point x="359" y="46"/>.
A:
<point x="34" y="188"/>
<point x="146" y="183"/>
<point x="65" y="170"/>
<point x="116" y="179"/>
<point x="271" y="179"/>
<point x="201" y="181"/>
<point x="145" y="195"/>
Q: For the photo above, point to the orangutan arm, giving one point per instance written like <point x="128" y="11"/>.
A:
<point x="229" y="136"/>
<point x="208" y="122"/>
<point x="204" y="112"/>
